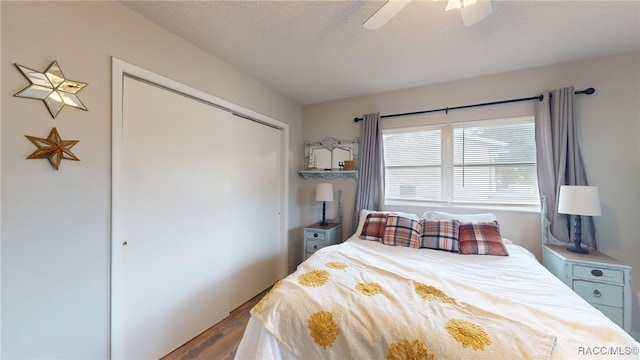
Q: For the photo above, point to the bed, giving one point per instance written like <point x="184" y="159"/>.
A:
<point x="382" y="295"/>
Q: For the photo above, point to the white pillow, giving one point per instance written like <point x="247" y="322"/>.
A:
<point x="439" y="215"/>
<point x="364" y="213"/>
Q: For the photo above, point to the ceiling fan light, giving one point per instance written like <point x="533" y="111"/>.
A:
<point x="453" y="4"/>
<point x="473" y="14"/>
<point x="384" y="14"/>
<point x="459" y="4"/>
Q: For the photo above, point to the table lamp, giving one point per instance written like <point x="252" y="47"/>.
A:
<point x="324" y="193"/>
<point x="578" y="201"/>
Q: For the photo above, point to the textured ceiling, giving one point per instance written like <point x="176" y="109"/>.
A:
<point x="316" y="51"/>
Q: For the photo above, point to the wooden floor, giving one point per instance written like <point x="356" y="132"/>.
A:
<point x="220" y="341"/>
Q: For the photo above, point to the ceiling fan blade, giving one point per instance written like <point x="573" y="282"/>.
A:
<point x="384" y="14"/>
<point x="475" y="12"/>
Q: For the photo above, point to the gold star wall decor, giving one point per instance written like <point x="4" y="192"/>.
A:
<point x="51" y="87"/>
<point x="53" y="148"/>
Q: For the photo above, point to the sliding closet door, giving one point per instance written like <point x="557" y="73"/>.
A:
<point x="254" y="226"/>
<point x="193" y="181"/>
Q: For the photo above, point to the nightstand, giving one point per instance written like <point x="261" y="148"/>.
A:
<point x="601" y="280"/>
<point x="317" y="237"/>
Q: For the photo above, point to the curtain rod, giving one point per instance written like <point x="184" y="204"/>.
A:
<point x="587" y="91"/>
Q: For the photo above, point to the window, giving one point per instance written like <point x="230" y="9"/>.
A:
<point x="488" y="162"/>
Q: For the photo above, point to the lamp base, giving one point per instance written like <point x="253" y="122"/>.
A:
<point x="324" y="217"/>
<point x="577" y="227"/>
<point x="578" y="249"/>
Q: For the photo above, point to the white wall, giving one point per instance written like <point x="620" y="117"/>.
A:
<point x="55" y="225"/>
<point x="609" y="132"/>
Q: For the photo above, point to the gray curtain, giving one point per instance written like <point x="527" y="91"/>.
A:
<point x="370" y="191"/>
<point x="559" y="160"/>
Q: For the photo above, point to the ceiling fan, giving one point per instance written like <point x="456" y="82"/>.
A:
<point x="472" y="11"/>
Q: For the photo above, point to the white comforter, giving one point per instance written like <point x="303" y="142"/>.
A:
<point x="516" y="287"/>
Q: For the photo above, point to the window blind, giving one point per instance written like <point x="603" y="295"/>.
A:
<point x="479" y="162"/>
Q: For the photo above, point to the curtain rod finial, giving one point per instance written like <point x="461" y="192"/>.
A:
<point x="356" y="119"/>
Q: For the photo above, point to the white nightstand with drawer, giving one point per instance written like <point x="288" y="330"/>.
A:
<point x="317" y="237"/>
<point x="601" y="280"/>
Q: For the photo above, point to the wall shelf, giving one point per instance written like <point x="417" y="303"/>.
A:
<point x="328" y="175"/>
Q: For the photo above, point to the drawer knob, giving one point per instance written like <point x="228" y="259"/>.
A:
<point x="316" y="246"/>
<point x="596" y="272"/>
<point x="597" y="293"/>
<point x="315" y="234"/>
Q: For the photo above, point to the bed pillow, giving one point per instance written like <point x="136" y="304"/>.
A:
<point x="481" y="238"/>
<point x="439" y="215"/>
<point x="402" y="231"/>
<point x="363" y="217"/>
<point x="440" y="235"/>
<point x="373" y="227"/>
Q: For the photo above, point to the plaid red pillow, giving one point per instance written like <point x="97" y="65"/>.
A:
<point x="440" y="235"/>
<point x="373" y="228"/>
<point x="482" y="238"/>
<point x="402" y="231"/>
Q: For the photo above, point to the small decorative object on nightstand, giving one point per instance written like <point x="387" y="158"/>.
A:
<point x="601" y="280"/>
<point x="317" y="236"/>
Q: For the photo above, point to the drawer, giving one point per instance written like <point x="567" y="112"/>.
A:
<point x="613" y="313"/>
<point x="596" y="273"/>
<point x="314" y="245"/>
<point x="309" y="234"/>
<point x="599" y="293"/>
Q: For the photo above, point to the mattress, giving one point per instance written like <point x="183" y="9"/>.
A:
<point x="516" y="289"/>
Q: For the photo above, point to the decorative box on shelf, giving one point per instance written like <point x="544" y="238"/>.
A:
<point x="317" y="236"/>
<point x="349" y="165"/>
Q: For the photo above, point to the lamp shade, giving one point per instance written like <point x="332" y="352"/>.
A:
<point x="324" y="192"/>
<point x="579" y="200"/>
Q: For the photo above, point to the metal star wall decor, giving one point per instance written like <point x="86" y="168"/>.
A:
<point x="52" y="87"/>
<point x="53" y="148"/>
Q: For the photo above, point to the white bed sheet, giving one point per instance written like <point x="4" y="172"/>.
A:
<point x="527" y="292"/>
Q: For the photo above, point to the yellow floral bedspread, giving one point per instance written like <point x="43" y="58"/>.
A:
<point x="347" y="302"/>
